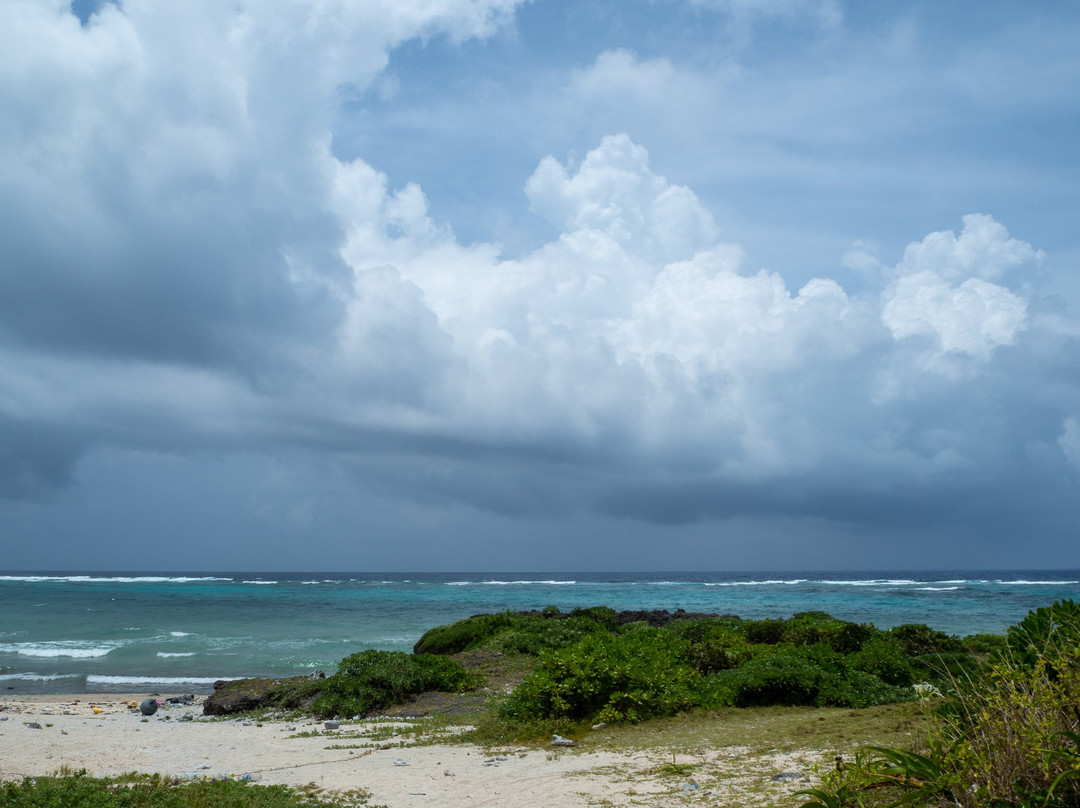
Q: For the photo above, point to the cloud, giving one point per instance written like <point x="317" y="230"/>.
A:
<point x="637" y="341"/>
<point x="1070" y="441"/>
<point x="195" y="270"/>
<point x="941" y="292"/>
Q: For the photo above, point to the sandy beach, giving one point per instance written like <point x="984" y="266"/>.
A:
<point x="104" y="735"/>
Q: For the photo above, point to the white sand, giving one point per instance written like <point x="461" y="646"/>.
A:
<point x="118" y="739"/>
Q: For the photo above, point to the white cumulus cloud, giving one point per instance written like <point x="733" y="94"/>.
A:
<point x="941" y="289"/>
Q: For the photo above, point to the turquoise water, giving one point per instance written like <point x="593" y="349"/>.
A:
<point x="101" y="632"/>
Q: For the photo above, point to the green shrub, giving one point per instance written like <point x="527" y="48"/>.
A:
<point x="712" y="655"/>
<point x="531" y="636"/>
<point x="918" y="639"/>
<point x="1044" y="634"/>
<point x="714" y="644"/>
<point x="857" y="689"/>
<point x="784" y="678"/>
<point x="464" y="635"/>
<point x="883" y="659"/>
<point x="155" y="791"/>
<point x="942" y="669"/>
<point x="1008" y="736"/>
<point x="982" y="644"/>
<point x="373" y="680"/>
<point x="851" y="637"/>
<point x="515" y="633"/>
<point x="811" y="628"/>
<point x="765" y="632"/>
<point x="627" y="677"/>
<point x="709" y="628"/>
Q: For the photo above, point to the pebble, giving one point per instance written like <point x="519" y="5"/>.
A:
<point x="33" y="725"/>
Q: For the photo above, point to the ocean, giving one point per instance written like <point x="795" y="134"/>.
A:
<point x="120" y="632"/>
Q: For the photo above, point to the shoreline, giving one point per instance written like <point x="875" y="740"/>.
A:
<point x="103" y="735"/>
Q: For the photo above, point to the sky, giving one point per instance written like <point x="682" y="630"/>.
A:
<point x="493" y="285"/>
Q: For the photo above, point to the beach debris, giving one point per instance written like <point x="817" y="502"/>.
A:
<point x="400" y="762"/>
<point x="559" y="740"/>
<point x="689" y="786"/>
<point x="187" y="717"/>
<point x="33" y="725"/>
<point x="96" y="710"/>
<point x="601" y="725"/>
<point x="332" y="724"/>
<point x="148" y="706"/>
<point x="786" y="776"/>
<point x="448" y="773"/>
<point x="185" y="699"/>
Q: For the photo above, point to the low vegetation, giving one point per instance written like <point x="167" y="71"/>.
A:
<point x="154" y="791"/>
<point x="597" y="665"/>
<point x="1006" y="735"/>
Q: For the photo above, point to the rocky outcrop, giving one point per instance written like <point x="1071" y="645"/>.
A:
<point x="242" y="695"/>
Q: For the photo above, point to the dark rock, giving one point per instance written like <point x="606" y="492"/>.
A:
<point x="34" y="725"/>
<point x="317" y="675"/>
<point x="186" y="699"/>
<point x="148" y="706"/>
<point x="785" y="776"/>
<point x="241" y="695"/>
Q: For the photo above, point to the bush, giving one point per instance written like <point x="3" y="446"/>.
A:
<point x="857" y="689"/>
<point x="765" y="632"/>
<point x="784" y="678"/>
<point x="517" y="633"/>
<point x="373" y="680"/>
<point x="811" y="628"/>
<point x="883" y="659"/>
<point x="1009" y="736"/>
<point x="628" y="677"/>
<point x="982" y="644"/>
<point x="464" y="635"/>
<point x="851" y="637"/>
<point x="155" y="791"/>
<point x="918" y="639"/>
<point x="1045" y="634"/>
<point x="943" y="669"/>
<point x="714" y="644"/>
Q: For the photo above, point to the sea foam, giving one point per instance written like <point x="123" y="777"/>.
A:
<point x="73" y="649"/>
